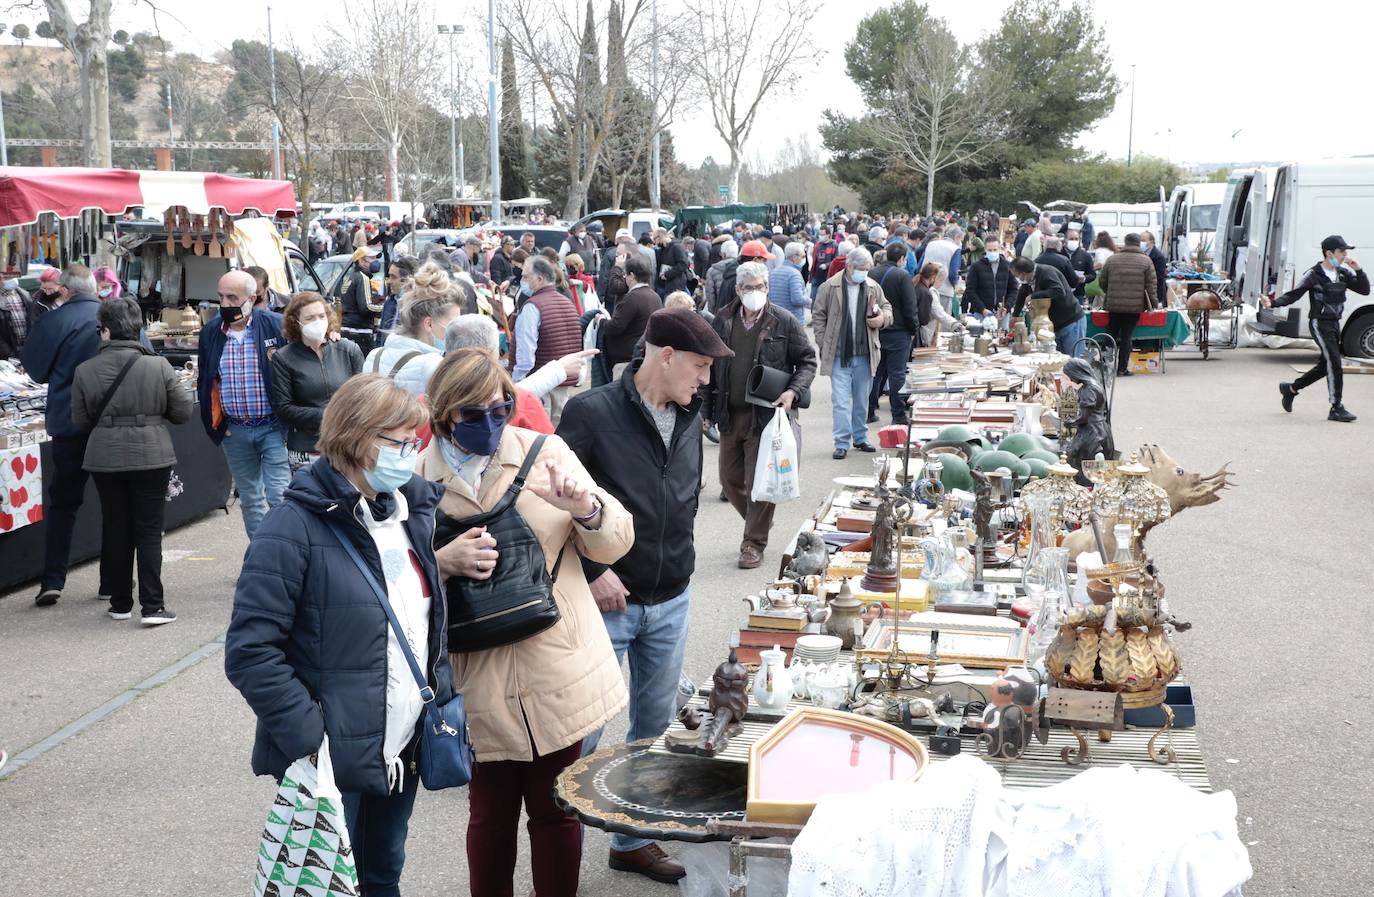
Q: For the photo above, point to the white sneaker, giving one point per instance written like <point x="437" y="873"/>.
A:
<point x="116" y="615"/>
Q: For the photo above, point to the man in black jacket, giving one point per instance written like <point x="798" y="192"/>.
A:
<point x="1326" y="284"/>
<point x="757" y="334"/>
<point x="359" y="311"/>
<point x="989" y="284"/>
<point x="1147" y="246"/>
<point x="1056" y="259"/>
<point x="896" y="339"/>
<point x="640" y="439"/>
<point x="673" y="264"/>
<point x="1045" y="282"/>
<point x="1081" y="261"/>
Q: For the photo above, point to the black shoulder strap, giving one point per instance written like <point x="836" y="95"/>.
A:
<point x="109" y="393"/>
<point x="524" y="471"/>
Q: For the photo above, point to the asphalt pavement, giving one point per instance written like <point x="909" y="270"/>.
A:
<point x="130" y="773"/>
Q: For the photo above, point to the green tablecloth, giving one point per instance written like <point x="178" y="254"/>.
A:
<point x="1175" y="332"/>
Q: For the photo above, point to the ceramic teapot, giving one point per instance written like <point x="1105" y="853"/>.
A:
<point x="772" y="684"/>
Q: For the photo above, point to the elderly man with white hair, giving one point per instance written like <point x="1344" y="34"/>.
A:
<point x="235" y="381"/>
<point x="760" y="336"/>
<point x="850" y="310"/>
<point x="786" y="288"/>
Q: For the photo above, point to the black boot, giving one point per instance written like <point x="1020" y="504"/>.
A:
<point x="1288" y="394"/>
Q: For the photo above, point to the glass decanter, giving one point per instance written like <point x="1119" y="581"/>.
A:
<point x="1050" y="577"/>
<point x="1039" y="508"/>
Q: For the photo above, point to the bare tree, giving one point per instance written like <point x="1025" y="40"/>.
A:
<point x="551" y="42"/>
<point x="945" y="112"/>
<point x="88" y="42"/>
<point x="390" y="57"/>
<point x="751" y="52"/>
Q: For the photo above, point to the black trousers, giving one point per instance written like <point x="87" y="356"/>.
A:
<point x="66" y="488"/>
<point x="1328" y="337"/>
<point x="132" y="506"/>
<point x="891" y="375"/>
<point x="1120" y="326"/>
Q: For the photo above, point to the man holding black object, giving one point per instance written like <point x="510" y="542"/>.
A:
<point x="640" y="439"/>
<point x="763" y="338"/>
<point x="1326" y="284"/>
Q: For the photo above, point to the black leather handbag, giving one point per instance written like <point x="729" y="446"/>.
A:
<point x="517" y="601"/>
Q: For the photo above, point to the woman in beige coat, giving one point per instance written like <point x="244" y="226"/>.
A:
<point x="530" y="703"/>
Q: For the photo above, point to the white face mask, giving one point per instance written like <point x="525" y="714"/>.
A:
<point x="1073" y="245"/>
<point x="315" y="331"/>
<point x="754" y="300"/>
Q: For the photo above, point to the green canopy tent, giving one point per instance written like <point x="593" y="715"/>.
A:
<point x="697" y="219"/>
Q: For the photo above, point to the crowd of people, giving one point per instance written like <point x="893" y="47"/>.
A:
<point x="442" y="431"/>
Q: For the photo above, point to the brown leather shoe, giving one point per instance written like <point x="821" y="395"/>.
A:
<point x="750" y="557"/>
<point x="651" y="862"/>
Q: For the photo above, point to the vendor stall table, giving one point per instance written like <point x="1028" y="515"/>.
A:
<point x="1162" y="329"/>
<point x="200" y="466"/>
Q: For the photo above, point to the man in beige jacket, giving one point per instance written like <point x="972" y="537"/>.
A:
<point x="849" y="311"/>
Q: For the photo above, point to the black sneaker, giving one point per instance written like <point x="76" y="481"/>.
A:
<point x="1125" y="373"/>
<point x="120" y="614"/>
<point x="872" y="417"/>
<point x="840" y="454"/>
<point x="865" y="447"/>
<point x="47" y="597"/>
<point x="1288" y="394"/>
<point x="1339" y="413"/>
<point x="159" y="617"/>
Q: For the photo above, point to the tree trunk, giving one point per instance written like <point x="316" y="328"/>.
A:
<point x="930" y="191"/>
<point x="393" y="170"/>
<point x="99" y="121"/>
<point x="618" y="189"/>
<point x="734" y="173"/>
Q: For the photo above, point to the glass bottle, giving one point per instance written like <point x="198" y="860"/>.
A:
<point x="1122" y="533"/>
<point x="1039" y="509"/>
<point x="1051" y="570"/>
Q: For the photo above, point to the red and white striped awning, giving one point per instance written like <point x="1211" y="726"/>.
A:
<point x="26" y="193"/>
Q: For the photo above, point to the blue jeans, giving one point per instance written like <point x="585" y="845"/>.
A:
<point x="1066" y="339"/>
<point x="377" y="827"/>
<point x="655" y="637"/>
<point x="849" y="386"/>
<point x="257" y="459"/>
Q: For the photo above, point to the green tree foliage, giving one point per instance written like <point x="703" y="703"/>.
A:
<point x="128" y="68"/>
<point x="120" y="37"/>
<point x="1089" y="179"/>
<point x="1055" y="58"/>
<point x="44" y="30"/>
<point x="871" y="57"/>
<point x="21" y="33"/>
<point x="514" y="176"/>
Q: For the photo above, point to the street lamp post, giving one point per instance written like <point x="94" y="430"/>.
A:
<point x="493" y="152"/>
<point x="276" y="126"/>
<point x="457" y="173"/>
<point x="4" y="150"/>
<point x="1130" y="133"/>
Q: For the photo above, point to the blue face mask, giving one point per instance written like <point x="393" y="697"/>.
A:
<point x="481" y="437"/>
<point x="525" y="289"/>
<point x="858" y="276"/>
<point x="391" y="471"/>
<point x="993" y="256"/>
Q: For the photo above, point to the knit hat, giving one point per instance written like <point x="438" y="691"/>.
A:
<point x="686" y="331"/>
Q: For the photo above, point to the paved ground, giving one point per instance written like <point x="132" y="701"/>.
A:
<point x="156" y="798"/>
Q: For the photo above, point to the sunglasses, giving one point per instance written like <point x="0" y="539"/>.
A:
<point x="407" y="447"/>
<point x="472" y="414"/>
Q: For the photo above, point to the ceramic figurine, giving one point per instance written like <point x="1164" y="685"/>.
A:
<point x="772" y="684"/>
<point x="1009" y="717"/>
<point x="941" y="569"/>
<point x="709" y="733"/>
<point x="1092" y="430"/>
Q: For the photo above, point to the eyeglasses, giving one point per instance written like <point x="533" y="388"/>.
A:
<point x="472" y="414"/>
<point x="407" y="447"/>
<point x="759" y="288"/>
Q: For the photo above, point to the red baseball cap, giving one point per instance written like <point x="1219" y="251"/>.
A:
<point x="755" y="249"/>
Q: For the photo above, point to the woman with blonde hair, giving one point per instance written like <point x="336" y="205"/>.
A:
<point x="530" y="701"/>
<point x="310" y="646"/>
<point x="412" y="352"/>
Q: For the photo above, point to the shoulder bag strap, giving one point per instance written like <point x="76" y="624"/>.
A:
<point x="377" y="362"/>
<point x="426" y="693"/>
<point x="109" y="393"/>
<point x="402" y="362"/>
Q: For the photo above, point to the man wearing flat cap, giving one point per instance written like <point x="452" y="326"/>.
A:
<point x="759" y="336"/>
<point x="640" y="439"/>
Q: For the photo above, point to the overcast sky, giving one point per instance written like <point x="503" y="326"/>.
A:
<point x="1205" y="71"/>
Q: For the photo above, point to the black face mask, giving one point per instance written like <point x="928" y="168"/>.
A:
<point x="230" y="314"/>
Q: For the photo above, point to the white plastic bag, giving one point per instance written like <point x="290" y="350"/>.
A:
<point x="775" y="473"/>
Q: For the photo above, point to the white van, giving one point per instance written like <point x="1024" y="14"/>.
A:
<point x="1190" y="221"/>
<point x="385" y="211"/>
<point x="1248" y="193"/>
<point x="1120" y="218"/>
<point x="1287" y="221"/>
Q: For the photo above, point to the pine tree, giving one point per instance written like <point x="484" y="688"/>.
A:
<point x="514" y="175"/>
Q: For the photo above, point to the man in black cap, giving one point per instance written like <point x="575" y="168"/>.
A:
<point x="640" y="439"/>
<point x="1325" y="283"/>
